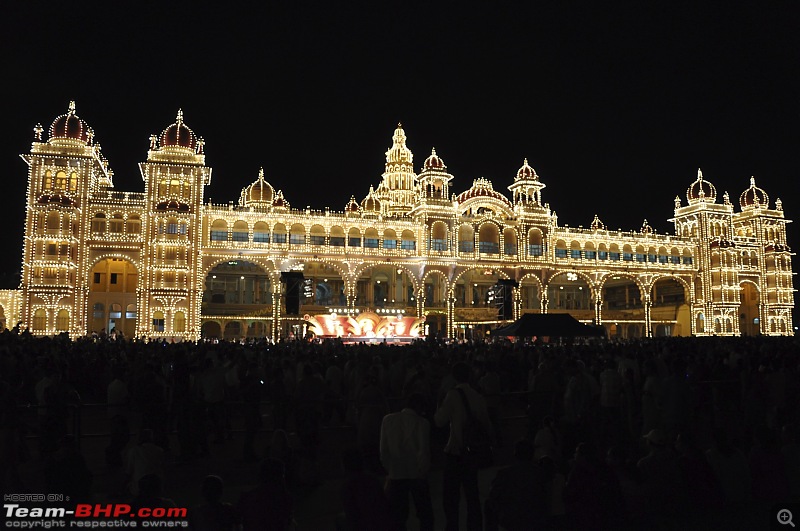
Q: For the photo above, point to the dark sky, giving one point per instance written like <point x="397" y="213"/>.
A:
<point x="615" y="106"/>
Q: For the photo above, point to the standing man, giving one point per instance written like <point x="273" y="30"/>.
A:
<point x="406" y="456"/>
<point x="459" y="471"/>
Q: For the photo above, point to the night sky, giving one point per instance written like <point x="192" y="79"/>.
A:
<point x="615" y="106"/>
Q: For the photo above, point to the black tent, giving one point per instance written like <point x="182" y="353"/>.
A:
<point x="549" y="324"/>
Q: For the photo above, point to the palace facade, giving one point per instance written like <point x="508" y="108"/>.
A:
<point x="410" y="258"/>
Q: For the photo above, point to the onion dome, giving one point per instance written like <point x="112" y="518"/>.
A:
<point x="597" y="224"/>
<point x="172" y="205"/>
<point x="69" y="126"/>
<point x="526" y="172"/>
<point x="352" y="206"/>
<point x="434" y="162"/>
<point x="259" y="193"/>
<point x="646" y="228"/>
<point x="178" y="135"/>
<point x="754" y="196"/>
<point x="371" y="203"/>
<point x="701" y="190"/>
<point x="55" y="199"/>
<point x="482" y="188"/>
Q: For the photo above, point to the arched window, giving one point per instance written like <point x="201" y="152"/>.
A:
<point x="371" y="239"/>
<point x="115" y="311"/>
<point x="337" y="238"/>
<point x="354" y="238"/>
<point x="130" y="311"/>
<point x="279" y="233"/>
<point x="408" y="241"/>
<point x="48" y="180"/>
<point x="389" y="239"/>
<point x="158" y="321"/>
<point x="240" y="231"/>
<point x="260" y="232"/>
<point x="134" y="224"/>
<point x="179" y="323"/>
<point x="535" y="243"/>
<point x="53" y="221"/>
<point x="73" y="181"/>
<point x="98" y="311"/>
<point x="438" y="239"/>
<point x="116" y="224"/>
<point x="99" y="223"/>
<point x="62" y="320"/>
<point x="466" y="239"/>
<point x="61" y="180"/>
<point x="39" y="319"/>
<point x="297" y="235"/>
<point x="219" y="231"/>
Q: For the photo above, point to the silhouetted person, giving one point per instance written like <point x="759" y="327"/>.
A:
<point x="149" y="488"/>
<point x="118" y="401"/>
<point x="702" y="489"/>
<point x="730" y="468"/>
<point x="406" y="455"/>
<point x="66" y="471"/>
<point x="592" y="493"/>
<point x="269" y="505"/>
<point x="460" y="471"/>
<point x="213" y="514"/>
<point x="518" y="499"/>
<point x="365" y="504"/>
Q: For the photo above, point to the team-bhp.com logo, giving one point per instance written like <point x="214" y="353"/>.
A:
<point x="94" y="516"/>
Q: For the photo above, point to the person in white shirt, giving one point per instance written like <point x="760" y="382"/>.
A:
<point x="458" y="470"/>
<point x="406" y="455"/>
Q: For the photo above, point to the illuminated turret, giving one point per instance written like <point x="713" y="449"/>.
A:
<point x="398" y="188"/>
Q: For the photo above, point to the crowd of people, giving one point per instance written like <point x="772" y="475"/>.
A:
<point x="619" y="433"/>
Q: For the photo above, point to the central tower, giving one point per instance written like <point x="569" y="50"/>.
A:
<point x="399" y="186"/>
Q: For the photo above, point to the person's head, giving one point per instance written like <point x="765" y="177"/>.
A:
<point x="417" y="402"/>
<point x="212" y="488"/>
<point x="461" y="372"/>
<point x="587" y="452"/>
<point x="524" y="450"/>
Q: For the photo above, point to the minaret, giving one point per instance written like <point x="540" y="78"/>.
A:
<point x="398" y="188"/>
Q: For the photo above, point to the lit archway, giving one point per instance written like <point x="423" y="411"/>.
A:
<point x="749" y="319"/>
<point x="113" y="283"/>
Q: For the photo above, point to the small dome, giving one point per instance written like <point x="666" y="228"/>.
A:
<point x="434" y="162"/>
<point x="597" y="224"/>
<point x="399" y="152"/>
<point x="701" y="190"/>
<point x="352" y="205"/>
<point x="371" y="203"/>
<point x="482" y="188"/>
<point x="526" y="172"/>
<point x="178" y="135"/>
<point x="70" y="126"/>
<point x="260" y="192"/>
<point x="646" y="228"/>
<point x="753" y="196"/>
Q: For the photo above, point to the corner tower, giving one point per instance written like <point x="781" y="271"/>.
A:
<point x="175" y="175"/>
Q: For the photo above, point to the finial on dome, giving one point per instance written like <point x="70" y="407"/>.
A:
<point x="153" y="142"/>
<point x="752" y="181"/>
<point x="399" y="125"/>
<point x="778" y="204"/>
<point x="71" y="107"/>
<point x="699" y="174"/>
<point x="200" y="145"/>
<point x="179" y="119"/>
<point x="525" y="161"/>
<point x="37" y="132"/>
<point x="726" y="199"/>
<point x="433" y="151"/>
<point x="261" y="173"/>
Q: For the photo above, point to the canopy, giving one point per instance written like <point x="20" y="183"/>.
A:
<point x="548" y="324"/>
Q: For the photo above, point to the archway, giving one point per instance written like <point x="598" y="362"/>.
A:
<point x="569" y="292"/>
<point x="435" y="290"/>
<point x="669" y="312"/>
<point x="112" y="296"/>
<point x="211" y="330"/>
<point x="749" y="319"/>
<point x="530" y="293"/>
<point x="327" y="286"/>
<point x="386" y="287"/>
<point x="236" y="287"/>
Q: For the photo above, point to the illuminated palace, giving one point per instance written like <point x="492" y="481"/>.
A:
<point x="409" y="258"/>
